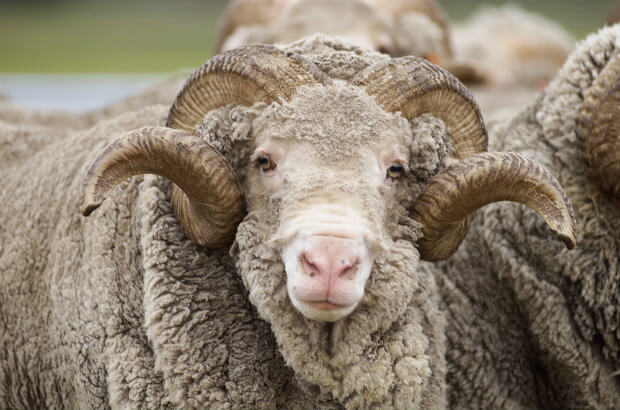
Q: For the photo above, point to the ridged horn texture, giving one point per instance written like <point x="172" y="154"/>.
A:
<point x="599" y="126"/>
<point x="415" y="86"/>
<point x="445" y="207"/>
<point x="209" y="201"/>
<point x="243" y="76"/>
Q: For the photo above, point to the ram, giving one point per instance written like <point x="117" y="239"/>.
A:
<point x="530" y="324"/>
<point x="280" y="267"/>
<point x="397" y="28"/>
<point x="510" y="46"/>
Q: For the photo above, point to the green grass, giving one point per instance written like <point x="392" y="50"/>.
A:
<point x="157" y="36"/>
<point x="106" y="37"/>
<point x="577" y="16"/>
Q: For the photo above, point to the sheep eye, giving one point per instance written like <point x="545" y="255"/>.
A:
<point x="266" y="163"/>
<point x="395" y="171"/>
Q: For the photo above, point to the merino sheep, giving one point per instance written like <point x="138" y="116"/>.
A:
<point x="395" y="27"/>
<point x="511" y="46"/>
<point x="333" y="170"/>
<point x="529" y="324"/>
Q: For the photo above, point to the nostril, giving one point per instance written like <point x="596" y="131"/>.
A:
<point x="310" y="268"/>
<point x="330" y="258"/>
<point x="348" y="269"/>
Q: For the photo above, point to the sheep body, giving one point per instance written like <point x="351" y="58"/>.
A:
<point x="530" y="324"/>
<point x="163" y="92"/>
<point x="103" y="328"/>
<point x="511" y="46"/>
<point x="134" y="314"/>
<point x="123" y="310"/>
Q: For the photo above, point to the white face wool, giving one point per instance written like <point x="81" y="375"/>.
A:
<point x="328" y="153"/>
<point x="305" y="230"/>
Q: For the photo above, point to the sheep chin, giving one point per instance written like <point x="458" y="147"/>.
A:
<point x="321" y="315"/>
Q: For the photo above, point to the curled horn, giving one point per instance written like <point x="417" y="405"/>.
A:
<point x="599" y="126"/>
<point x="451" y="197"/>
<point x="209" y="200"/>
<point x="414" y="86"/>
<point x="243" y="76"/>
<point x="206" y="196"/>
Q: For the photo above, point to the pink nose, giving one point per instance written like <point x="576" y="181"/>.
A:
<point x="331" y="258"/>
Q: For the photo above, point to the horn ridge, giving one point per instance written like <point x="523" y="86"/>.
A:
<point x="598" y="126"/>
<point x="415" y="86"/>
<point x="447" y="205"/>
<point x="206" y="196"/>
<point x="242" y="76"/>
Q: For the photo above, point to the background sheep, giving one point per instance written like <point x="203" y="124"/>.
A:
<point x="511" y="46"/>
<point x="242" y="13"/>
<point x="500" y="46"/>
<point x="530" y="324"/>
<point x="124" y="309"/>
<point x="20" y="117"/>
<point x="404" y="10"/>
<point x="397" y="28"/>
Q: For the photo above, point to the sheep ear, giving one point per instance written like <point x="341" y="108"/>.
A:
<point x="446" y="206"/>
<point x="598" y="126"/>
<point x="206" y="197"/>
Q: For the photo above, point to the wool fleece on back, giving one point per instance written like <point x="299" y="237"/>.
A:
<point x="530" y="324"/>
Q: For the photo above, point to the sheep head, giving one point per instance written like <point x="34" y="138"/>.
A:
<point x="397" y="27"/>
<point x="334" y="175"/>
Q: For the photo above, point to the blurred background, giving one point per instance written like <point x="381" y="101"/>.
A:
<point x="81" y="54"/>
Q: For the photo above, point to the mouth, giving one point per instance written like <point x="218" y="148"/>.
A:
<point x="325" y="305"/>
<point x="323" y="311"/>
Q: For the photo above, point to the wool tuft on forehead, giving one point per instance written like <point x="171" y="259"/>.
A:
<point x="340" y="118"/>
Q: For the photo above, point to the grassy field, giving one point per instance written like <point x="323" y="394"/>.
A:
<point x="155" y="36"/>
<point x="106" y="36"/>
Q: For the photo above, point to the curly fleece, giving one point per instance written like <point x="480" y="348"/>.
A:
<point x="531" y="324"/>
<point x="122" y="310"/>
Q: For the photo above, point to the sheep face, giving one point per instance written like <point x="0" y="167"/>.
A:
<point x="331" y="170"/>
